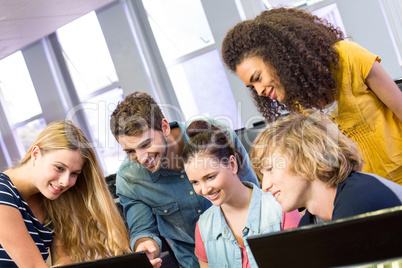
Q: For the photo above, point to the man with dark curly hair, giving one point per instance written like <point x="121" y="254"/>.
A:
<point x="291" y="59"/>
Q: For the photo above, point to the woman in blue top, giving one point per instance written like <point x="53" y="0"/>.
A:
<point x="57" y="199"/>
<point x="305" y="161"/>
<point x="239" y="210"/>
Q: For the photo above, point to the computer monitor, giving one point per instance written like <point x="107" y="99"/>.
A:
<point x="130" y="260"/>
<point x="367" y="238"/>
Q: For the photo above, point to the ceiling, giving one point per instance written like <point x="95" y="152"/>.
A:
<point x="23" y="22"/>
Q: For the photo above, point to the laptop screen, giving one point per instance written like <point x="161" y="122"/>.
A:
<point x="130" y="260"/>
<point x="363" y="239"/>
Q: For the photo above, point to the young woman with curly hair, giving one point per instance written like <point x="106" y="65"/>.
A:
<point x="57" y="199"/>
<point x="291" y="59"/>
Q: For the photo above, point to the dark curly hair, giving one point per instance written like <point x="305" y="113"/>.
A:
<point x="298" y="46"/>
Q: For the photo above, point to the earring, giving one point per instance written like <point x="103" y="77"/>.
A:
<point x="33" y="163"/>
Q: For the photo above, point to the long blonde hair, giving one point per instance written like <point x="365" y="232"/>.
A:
<point x="85" y="218"/>
<point x="313" y="146"/>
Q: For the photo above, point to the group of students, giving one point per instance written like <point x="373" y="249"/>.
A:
<point x="338" y="153"/>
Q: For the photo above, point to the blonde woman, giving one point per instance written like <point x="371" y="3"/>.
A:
<point x="305" y="161"/>
<point x="57" y="199"/>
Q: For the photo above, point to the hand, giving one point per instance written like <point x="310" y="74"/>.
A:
<point x="156" y="263"/>
<point x="151" y="249"/>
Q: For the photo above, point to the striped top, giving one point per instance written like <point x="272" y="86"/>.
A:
<point x="10" y="196"/>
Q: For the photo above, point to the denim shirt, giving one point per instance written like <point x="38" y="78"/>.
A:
<point x="264" y="216"/>
<point x="165" y="201"/>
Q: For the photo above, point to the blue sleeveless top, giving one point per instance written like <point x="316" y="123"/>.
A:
<point x="264" y="216"/>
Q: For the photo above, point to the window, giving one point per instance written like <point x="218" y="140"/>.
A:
<point x="19" y="98"/>
<point x="87" y="55"/>
<point x="191" y="58"/>
<point x="393" y="10"/>
<point x="5" y="160"/>
<point x="179" y="26"/>
<point x="28" y="132"/>
<point x="331" y="14"/>
<point x="19" y="101"/>
<point x="96" y="83"/>
<point x="98" y="110"/>
<point x="205" y="76"/>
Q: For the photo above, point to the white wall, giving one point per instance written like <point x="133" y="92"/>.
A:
<point x="366" y="24"/>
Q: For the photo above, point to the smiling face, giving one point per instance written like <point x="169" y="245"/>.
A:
<point x="258" y="76"/>
<point x="148" y="149"/>
<point x="56" y="171"/>
<point x="212" y="178"/>
<point x="289" y="189"/>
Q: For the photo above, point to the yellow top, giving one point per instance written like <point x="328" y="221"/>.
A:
<point x="363" y="117"/>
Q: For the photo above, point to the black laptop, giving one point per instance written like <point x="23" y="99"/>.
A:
<point x="130" y="260"/>
<point x="368" y="238"/>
